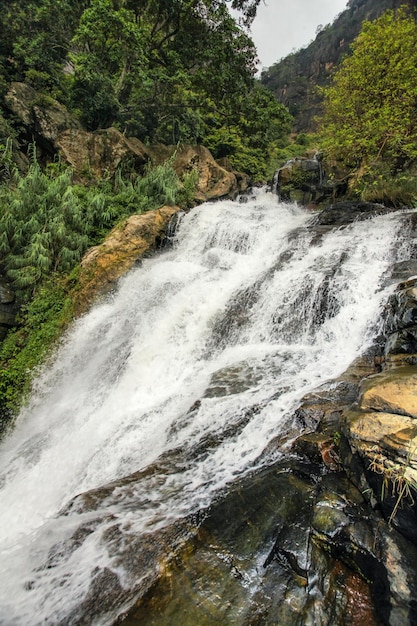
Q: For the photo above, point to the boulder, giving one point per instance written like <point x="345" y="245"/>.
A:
<point x="393" y="391"/>
<point x="47" y="116"/>
<point x="93" y="155"/>
<point x="214" y="181"/>
<point x="101" y="153"/>
<point x="20" y="99"/>
<point x="299" y="179"/>
<point x="304" y="180"/>
<point x="125" y="245"/>
<point x="346" y="212"/>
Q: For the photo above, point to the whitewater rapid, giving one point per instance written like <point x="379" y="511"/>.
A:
<point x="249" y="308"/>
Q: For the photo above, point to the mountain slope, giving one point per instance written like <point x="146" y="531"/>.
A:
<point x="295" y="78"/>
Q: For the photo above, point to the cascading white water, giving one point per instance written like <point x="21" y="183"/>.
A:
<point x="249" y="308"/>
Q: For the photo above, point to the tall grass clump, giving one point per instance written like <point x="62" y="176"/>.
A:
<point x="46" y="224"/>
<point x="43" y="225"/>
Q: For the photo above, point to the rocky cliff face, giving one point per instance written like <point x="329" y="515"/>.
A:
<point x="293" y="80"/>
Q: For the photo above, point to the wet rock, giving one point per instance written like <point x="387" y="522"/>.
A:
<point x="343" y="213"/>
<point x="400" y="318"/>
<point x="283" y="547"/>
<point x="402" y="270"/>
<point x="127" y="243"/>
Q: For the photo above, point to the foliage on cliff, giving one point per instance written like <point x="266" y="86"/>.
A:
<point x="370" y="120"/>
<point x="294" y="79"/>
<point x="177" y="70"/>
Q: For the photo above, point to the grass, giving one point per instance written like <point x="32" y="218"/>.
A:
<point x="400" y="478"/>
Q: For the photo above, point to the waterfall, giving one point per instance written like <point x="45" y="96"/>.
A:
<point x="180" y="379"/>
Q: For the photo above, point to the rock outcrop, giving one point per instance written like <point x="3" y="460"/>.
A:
<point x="307" y="181"/>
<point x="213" y="180"/>
<point x="126" y="244"/>
<point x="99" y="154"/>
<point x="93" y="155"/>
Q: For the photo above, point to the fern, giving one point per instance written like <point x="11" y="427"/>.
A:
<point x="40" y="216"/>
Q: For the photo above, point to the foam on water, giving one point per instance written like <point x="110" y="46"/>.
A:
<point x="119" y="391"/>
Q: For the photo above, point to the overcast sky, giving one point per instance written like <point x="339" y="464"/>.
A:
<point x="283" y="26"/>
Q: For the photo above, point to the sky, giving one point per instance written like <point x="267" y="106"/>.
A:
<point x="284" y="26"/>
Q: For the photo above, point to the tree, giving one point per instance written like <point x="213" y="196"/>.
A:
<point x="164" y="71"/>
<point x="251" y="137"/>
<point x="35" y="40"/>
<point x="146" y="62"/>
<point x="371" y="106"/>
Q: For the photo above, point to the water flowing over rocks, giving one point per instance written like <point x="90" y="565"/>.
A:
<point x="315" y="526"/>
<point x="338" y="507"/>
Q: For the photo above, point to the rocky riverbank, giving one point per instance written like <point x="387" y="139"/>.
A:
<point x="323" y="532"/>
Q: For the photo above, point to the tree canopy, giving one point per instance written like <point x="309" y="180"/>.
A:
<point x="371" y="106"/>
<point x="164" y="71"/>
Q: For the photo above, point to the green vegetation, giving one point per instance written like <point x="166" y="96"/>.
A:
<point x="46" y="224"/>
<point x="43" y="227"/>
<point x="370" y="120"/>
<point x="41" y="322"/>
<point x="164" y="72"/>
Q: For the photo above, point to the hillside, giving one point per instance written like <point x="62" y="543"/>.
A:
<point x="295" y="78"/>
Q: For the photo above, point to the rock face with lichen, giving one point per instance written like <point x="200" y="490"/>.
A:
<point x="126" y="244"/>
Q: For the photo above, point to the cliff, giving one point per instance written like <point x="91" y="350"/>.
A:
<point x="294" y="79"/>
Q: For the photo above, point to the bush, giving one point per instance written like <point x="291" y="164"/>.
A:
<point x="41" y="324"/>
<point x="43" y="225"/>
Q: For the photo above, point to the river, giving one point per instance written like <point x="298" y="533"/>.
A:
<point x="191" y="368"/>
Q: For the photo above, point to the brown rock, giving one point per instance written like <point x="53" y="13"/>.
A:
<point x="127" y="243"/>
<point x="93" y="155"/>
<point x="214" y="181"/>
<point x="99" y="154"/>
<point x="48" y="117"/>
<point x="391" y="391"/>
<point x="19" y="99"/>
